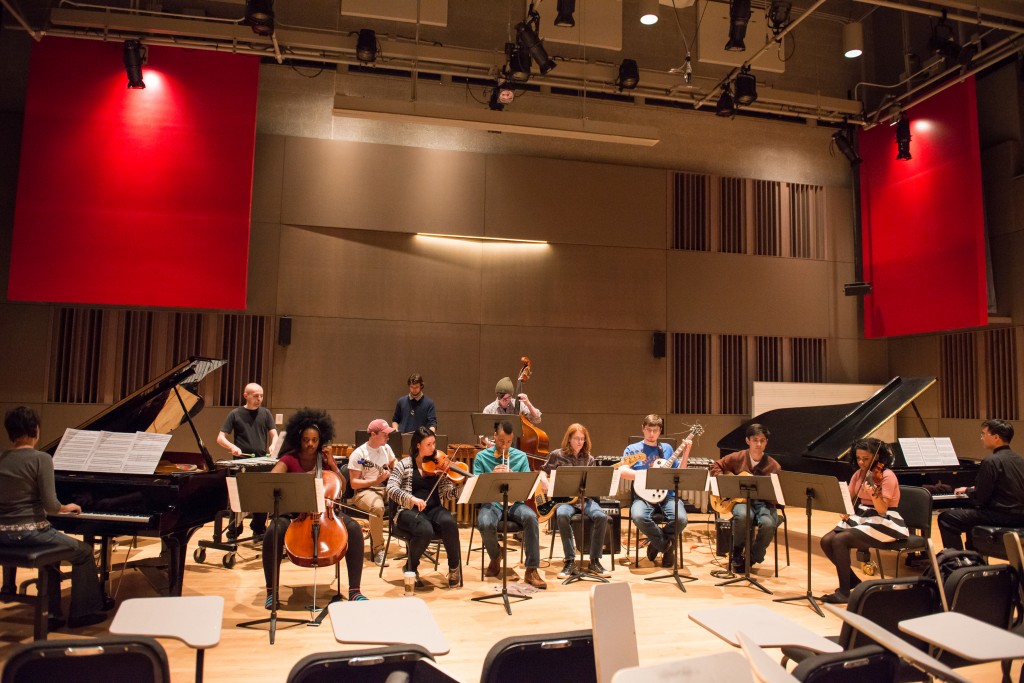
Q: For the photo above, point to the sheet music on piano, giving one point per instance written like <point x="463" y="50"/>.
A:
<point x="90" y="451"/>
<point x="929" y="452"/>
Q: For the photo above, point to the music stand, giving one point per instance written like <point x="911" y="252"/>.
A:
<point x="750" y="488"/>
<point x="500" y="487"/>
<point x="483" y="424"/>
<point x="678" y="480"/>
<point x="582" y="482"/>
<point x="821" y="492"/>
<point x="280" y="494"/>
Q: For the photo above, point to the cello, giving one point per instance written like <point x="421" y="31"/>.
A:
<point x="534" y="440"/>
<point x="319" y="539"/>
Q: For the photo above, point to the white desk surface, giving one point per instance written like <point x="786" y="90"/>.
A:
<point x="965" y="636"/>
<point x="724" y="666"/>
<point x="765" y="628"/>
<point x="389" y="621"/>
<point x="194" y="620"/>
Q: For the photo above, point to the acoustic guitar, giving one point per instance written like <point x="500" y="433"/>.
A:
<point x="655" y="496"/>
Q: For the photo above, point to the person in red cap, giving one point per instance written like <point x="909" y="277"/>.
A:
<point x="369" y="467"/>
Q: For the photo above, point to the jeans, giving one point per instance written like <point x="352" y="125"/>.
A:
<point x="86" y="597"/>
<point x="421" y="527"/>
<point x="597" y="522"/>
<point x="641" y="512"/>
<point x="765" y="517"/>
<point x="487" y="521"/>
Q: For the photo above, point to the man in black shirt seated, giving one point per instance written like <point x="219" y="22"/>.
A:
<point x="997" y="498"/>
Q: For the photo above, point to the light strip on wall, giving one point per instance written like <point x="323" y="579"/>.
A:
<point x="477" y="238"/>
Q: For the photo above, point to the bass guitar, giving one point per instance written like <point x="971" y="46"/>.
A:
<point x="655" y="496"/>
<point x="546" y="505"/>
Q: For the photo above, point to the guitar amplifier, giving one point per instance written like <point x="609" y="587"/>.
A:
<point x="723" y="537"/>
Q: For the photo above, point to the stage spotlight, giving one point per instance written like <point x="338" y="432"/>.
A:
<point x="745" y="87"/>
<point x="134" y="58"/>
<point x="629" y="75"/>
<point x="259" y="15"/>
<point x="526" y="37"/>
<point x="842" y="140"/>
<point x="517" y="63"/>
<point x="739" y="15"/>
<point x="725" y="105"/>
<point x="903" y="139"/>
<point x="565" y="11"/>
<point x="501" y="94"/>
<point x="943" y="42"/>
<point x="366" y="46"/>
<point x="853" y="40"/>
<point x="779" y="15"/>
<point x="649" y="12"/>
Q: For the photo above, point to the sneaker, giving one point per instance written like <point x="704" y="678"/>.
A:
<point x="597" y="568"/>
<point x="668" y="560"/>
<point x="493" y="568"/>
<point x="533" y="578"/>
<point x="380" y="559"/>
<point x="568" y="569"/>
<point x="420" y="583"/>
<point x="652" y="552"/>
<point x="738" y="565"/>
<point x="454" y="577"/>
<point x="269" y="602"/>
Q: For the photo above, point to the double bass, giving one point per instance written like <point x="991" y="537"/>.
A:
<point x="534" y="440"/>
<point x="319" y="539"/>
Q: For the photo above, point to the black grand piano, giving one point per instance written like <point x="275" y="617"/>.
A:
<point x="817" y="439"/>
<point x="170" y="505"/>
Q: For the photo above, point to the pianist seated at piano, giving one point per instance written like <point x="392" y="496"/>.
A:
<point x="305" y="433"/>
<point x="997" y="497"/>
<point x="875" y="493"/>
<point x="27" y="483"/>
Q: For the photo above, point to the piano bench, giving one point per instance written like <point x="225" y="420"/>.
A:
<point x="988" y="540"/>
<point x="40" y="558"/>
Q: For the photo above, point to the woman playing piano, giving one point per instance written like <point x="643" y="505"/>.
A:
<point x="875" y="493"/>
<point x="26" y="480"/>
<point x="305" y="432"/>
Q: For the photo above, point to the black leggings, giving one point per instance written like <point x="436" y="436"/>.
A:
<point x="272" y="551"/>
<point x="421" y="528"/>
<point x="837" y="546"/>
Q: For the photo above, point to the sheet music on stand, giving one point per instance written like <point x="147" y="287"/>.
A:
<point x="712" y="488"/>
<point x="118" y="452"/>
<point x="616" y="476"/>
<point x="929" y="452"/>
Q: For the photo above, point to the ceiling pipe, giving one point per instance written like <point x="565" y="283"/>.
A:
<point x="36" y="35"/>
<point x="974" y="20"/>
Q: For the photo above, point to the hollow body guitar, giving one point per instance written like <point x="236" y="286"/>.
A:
<point x="655" y="496"/>
<point x="724" y="506"/>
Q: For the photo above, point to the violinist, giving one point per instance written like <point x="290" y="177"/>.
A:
<point x="501" y="457"/>
<point x="418" y="484"/>
<point x="875" y="493"/>
<point x="369" y="467"/>
<point x="307" y="431"/>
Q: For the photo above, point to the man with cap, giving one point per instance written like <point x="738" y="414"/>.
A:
<point x="505" y="405"/>
<point x="369" y="467"/>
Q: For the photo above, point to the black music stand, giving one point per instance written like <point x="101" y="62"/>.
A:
<point x="500" y="487"/>
<point x="678" y="480"/>
<point x="751" y="488"/>
<point x="582" y="482"/>
<point x="280" y="494"/>
<point x="821" y="493"/>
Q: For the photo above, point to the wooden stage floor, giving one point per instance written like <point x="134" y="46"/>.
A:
<point x="663" y="630"/>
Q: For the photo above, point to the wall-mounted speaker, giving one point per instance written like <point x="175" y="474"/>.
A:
<point x="284" y="330"/>
<point x="658" y="344"/>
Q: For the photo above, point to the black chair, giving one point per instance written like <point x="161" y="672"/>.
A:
<point x="916" y="509"/>
<point x="988" y="540"/>
<point x="568" y="655"/>
<point x="988" y="593"/>
<point x="373" y="665"/>
<point x="867" y="663"/>
<point x="42" y="558"/>
<point x="394" y="531"/>
<point x="93" y="660"/>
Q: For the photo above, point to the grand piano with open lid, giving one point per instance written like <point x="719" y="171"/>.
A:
<point x="172" y="503"/>
<point x="817" y="439"/>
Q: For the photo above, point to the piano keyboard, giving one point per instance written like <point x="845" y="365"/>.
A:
<point x="260" y="463"/>
<point x="109" y="517"/>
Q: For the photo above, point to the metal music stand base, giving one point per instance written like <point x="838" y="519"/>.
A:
<point x="751" y="582"/>
<point x="807" y="596"/>
<point x="504" y="560"/>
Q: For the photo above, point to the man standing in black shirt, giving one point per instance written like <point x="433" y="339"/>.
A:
<point x="415" y="409"/>
<point x="997" y="498"/>
<point x="254" y="432"/>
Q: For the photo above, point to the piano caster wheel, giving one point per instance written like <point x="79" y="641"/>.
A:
<point x="229" y="560"/>
<point x="199" y="555"/>
<point x="869" y="568"/>
<point x="108" y="603"/>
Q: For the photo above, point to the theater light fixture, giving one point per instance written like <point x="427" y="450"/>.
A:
<point x="842" y="139"/>
<point x="259" y="16"/>
<point x="853" y="40"/>
<point x="527" y="38"/>
<point x="366" y="46"/>
<point x="502" y="94"/>
<point x="517" y="63"/>
<point x="134" y="58"/>
<point x="943" y="41"/>
<point x="745" y="87"/>
<point x="564" y="13"/>
<point x="629" y="75"/>
<point x="649" y="12"/>
<point x="739" y="15"/>
<point x="779" y="15"/>
<point x="903" y="139"/>
<point x="725" y="106"/>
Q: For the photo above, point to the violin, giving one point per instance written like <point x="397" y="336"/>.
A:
<point x="440" y="463"/>
<point x="319" y="539"/>
<point x="876" y="476"/>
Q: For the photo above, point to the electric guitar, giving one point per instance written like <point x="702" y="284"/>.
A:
<point x="724" y="506"/>
<point x="655" y="496"/>
<point x="546" y="505"/>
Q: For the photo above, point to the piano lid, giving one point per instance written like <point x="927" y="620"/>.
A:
<point x="155" y="407"/>
<point x="827" y="432"/>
